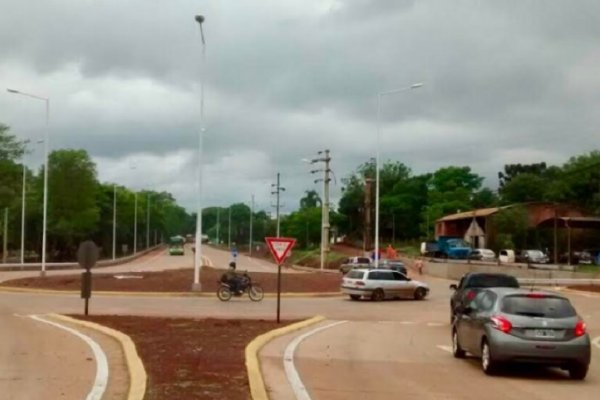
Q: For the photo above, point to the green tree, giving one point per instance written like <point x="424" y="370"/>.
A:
<point x="310" y="200"/>
<point x="524" y="187"/>
<point x="72" y="209"/>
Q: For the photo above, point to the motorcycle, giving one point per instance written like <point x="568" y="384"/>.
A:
<point x="255" y="292"/>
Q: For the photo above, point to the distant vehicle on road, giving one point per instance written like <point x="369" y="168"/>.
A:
<point x="590" y="256"/>
<point x="446" y="247"/>
<point x="482" y="255"/>
<point x="394" y="265"/>
<point x="176" y="246"/>
<point x="380" y="284"/>
<point x="471" y="283"/>
<point x="533" y="257"/>
<point x="515" y="325"/>
<point x="507" y="256"/>
<point x="355" y="262"/>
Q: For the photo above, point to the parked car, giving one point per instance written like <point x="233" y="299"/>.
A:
<point x="482" y="255"/>
<point x="394" y="265"/>
<point x="590" y="256"/>
<point x="471" y="283"/>
<point x="380" y="284"/>
<point x="533" y="257"/>
<point x="516" y="325"/>
<point x="507" y="256"/>
<point x="355" y="262"/>
<point x="575" y="257"/>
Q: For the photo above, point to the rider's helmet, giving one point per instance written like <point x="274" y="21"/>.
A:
<point x="232" y="265"/>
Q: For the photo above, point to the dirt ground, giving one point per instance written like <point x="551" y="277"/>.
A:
<point x="587" y="288"/>
<point x="180" y="281"/>
<point x="191" y="358"/>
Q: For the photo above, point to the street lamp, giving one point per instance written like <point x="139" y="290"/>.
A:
<point x="198" y="253"/>
<point x="46" y="146"/>
<point x="379" y="96"/>
<point x="114" y="241"/>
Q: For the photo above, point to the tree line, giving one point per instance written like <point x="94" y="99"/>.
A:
<point x="80" y="207"/>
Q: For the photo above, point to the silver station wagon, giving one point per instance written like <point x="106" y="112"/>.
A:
<point x="380" y="284"/>
<point x="519" y="325"/>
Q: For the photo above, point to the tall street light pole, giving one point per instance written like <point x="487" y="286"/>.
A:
<point x="325" y="158"/>
<point x="377" y="166"/>
<point x="198" y="253"/>
<point x="23" y="195"/>
<point x="114" y="241"/>
<point x="148" y="221"/>
<point x="251" y="218"/>
<point x="46" y="147"/>
<point x="135" y="222"/>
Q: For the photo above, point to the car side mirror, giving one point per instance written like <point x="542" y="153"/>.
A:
<point x="453" y="286"/>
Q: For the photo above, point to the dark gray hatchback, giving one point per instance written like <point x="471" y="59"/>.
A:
<point x="518" y="325"/>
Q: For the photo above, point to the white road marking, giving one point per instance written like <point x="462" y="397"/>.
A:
<point x="101" y="362"/>
<point x="288" y="362"/>
<point x="596" y="342"/>
<point x="407" y="322"/>
<point x="435" y="324"/>
<point x="445" y="348"/>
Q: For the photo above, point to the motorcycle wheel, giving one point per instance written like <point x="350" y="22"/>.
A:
<point x="255" y="293"/>
<point x="224" y="293"/>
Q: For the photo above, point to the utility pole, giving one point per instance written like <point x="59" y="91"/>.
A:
<point x="148" y="222"/>
<point x="114" y="244"/>
<point x="229" y="230"/>
<point x="218" y="225"/>
<point x="277" y="191"/>
<point x="251" y="218"/>
<point x="5" y="237"/>
<point x="135" y="224"/>
<point x="367" y="244"/>
<point x="325" y="227"/>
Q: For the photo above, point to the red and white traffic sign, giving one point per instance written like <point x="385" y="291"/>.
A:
<point x="280" y="247"/>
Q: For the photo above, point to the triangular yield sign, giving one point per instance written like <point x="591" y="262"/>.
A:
<point x="280" y="247"/>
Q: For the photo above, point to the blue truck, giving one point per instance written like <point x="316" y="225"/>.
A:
<point x="446" y="247"/>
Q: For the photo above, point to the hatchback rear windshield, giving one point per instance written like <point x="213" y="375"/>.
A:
<point x="488" y="281"/>
<point x="355" y="274"/>
<point x="545" y="307"/>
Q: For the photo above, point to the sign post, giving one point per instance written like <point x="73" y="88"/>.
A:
<point x="87" y="255"/>
<point x="280" y="249"/>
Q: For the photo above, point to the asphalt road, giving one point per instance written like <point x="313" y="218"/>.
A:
<point x="402" y="349"/>
<point x="387" y="350"/>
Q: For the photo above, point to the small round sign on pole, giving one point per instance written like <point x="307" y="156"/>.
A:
<point x="87" y="256"/>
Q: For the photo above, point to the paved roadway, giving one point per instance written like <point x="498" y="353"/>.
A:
<point x="393" y="349"/>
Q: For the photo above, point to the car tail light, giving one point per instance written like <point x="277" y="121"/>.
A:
<point x="502" y="324"/>
<point x="360" y="283"/>
<point x="536" y="295"/>
<point x="471" y="295"/>
<point x="580" y="328"/>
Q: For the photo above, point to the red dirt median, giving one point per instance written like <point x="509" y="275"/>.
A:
<point x="586" y="288"/>
<point x="180" y="281"/>
<point x="191" y="358"/>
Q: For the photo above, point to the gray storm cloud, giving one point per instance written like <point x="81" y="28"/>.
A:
<point x="511" y="81"/>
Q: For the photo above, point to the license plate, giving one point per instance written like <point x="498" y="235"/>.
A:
<point x="544" y="333"/>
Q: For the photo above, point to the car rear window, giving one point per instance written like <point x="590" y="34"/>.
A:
<point x="362" y="260"/>
<point x="546" y="307"/>
<point x="488" y="281"/>
<point x="355" y="274"/>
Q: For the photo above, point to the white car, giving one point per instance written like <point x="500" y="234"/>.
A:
<point x="482" y="255"/>
<point x="379" y="284"/>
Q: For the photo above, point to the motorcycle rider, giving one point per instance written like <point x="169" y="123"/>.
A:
<point x="232" y="279"/>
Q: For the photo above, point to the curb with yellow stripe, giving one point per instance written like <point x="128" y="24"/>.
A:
<point x="258" y="389"/>
<point x="135" y="367"/>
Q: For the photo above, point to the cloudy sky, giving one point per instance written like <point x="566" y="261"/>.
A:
<point x="505" y="81"/>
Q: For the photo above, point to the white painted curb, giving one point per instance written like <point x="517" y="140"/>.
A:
<point x="101" y="380"/>
<point x="288" y="362"/>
